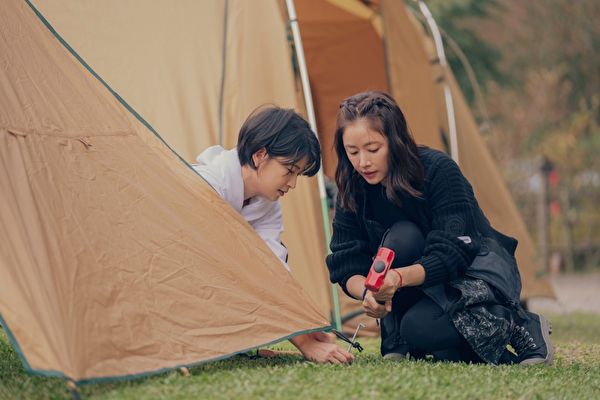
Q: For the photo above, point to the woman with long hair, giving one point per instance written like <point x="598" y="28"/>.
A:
<point x="454" y="287"/>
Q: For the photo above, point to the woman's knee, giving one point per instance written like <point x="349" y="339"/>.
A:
<point x="407" y="241"/>
<point x="415" y="329"/>
<point x="425" y="326"/>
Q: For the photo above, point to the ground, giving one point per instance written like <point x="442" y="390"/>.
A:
<point x="575" y="293"/>
<point x="574" y="375"/>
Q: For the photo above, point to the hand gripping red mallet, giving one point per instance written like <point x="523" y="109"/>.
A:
<point x="380" y="267"/>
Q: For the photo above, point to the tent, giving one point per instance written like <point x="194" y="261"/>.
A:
<point x="116" y="258"/>
<point x="193" y="71"/>
<point x="351" y="47"/>
<point x="165" y="50"/>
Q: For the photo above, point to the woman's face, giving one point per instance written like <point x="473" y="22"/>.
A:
<point x="367" y="150"/>
<point x="275" y="178"/>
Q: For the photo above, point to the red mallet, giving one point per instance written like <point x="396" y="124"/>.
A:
<point x="379" y="268"/>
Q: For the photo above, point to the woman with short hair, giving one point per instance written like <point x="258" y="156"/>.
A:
<point x="275" y="146"/>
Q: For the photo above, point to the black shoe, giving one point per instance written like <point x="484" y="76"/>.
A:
<point x="531" y="341"/>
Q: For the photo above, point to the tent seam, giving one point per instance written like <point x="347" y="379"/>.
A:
<point x="223" y="71"/>
<point x="63" y="134"/>
<point x="70" y="49"/>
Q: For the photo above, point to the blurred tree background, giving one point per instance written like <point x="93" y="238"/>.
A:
<point x="538" y="68"/>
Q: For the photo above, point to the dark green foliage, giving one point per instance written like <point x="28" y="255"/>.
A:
<point x="454" y="18"/>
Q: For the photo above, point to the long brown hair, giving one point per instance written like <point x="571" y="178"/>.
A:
<point x="405" y="171"/>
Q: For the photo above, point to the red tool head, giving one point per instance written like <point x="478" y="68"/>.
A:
<point x="379" y="268"/>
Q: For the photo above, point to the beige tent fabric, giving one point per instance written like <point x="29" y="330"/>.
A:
<point x="250" y="82"/>
<point x="344" y="55"/>
<point x="361" y="10"/>
<point x="411" y="85"/>
<point x="115" y="257"/>
<point x="304" y="238"/>
<point x="138" y="44"/>
<point x="165" y="60"/>
<point x="411" y="79"/>
<point x="258" y="63"/>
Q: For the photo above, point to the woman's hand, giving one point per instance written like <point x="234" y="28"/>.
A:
<point x="318" y="349"/>
<point x="374" y="309"/>
<point x="390" y="286"/>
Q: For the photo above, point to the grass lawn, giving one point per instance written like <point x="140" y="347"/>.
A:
<point x="574" y="375"/>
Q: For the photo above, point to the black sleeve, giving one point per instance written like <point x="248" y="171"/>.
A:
<point x="453" y="241"/>
<point x="349" y="248"/>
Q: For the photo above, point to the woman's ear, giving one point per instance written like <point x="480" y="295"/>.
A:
<point x="259" y="156"/>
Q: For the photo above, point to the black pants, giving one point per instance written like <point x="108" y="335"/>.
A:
<point x="417" y="324"/>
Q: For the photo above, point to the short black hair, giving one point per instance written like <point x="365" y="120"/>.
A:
<point x="283" y="133"/>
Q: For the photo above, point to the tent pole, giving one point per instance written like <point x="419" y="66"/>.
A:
<point x="223" y="71"/>
<point x="310" y="111"/>
<point x="439" y="48"/>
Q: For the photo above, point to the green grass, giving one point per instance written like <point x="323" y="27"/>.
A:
<point x="574" y="375"/>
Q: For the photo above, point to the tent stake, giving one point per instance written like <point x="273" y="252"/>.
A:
<point x="73" y="389"/>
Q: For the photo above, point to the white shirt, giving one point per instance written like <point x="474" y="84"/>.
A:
<point x="222" y="170"/>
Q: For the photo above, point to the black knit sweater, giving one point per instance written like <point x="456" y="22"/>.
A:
<point x="447" y="213"/>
